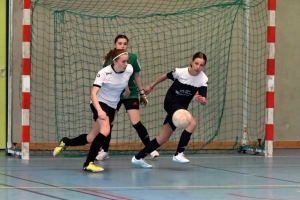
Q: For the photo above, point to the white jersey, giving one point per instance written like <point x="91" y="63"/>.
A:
<point x="184" y="77"/>
<point x="112" y="84"/>
<point x="185" y="87"/>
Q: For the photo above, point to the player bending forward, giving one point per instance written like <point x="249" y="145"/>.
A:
<point x="188" y="82"/>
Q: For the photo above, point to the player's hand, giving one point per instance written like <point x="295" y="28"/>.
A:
<point x="148" y="89"/>
<point x="200" y="99"/>
<point x="143" y="98"/>
<point x="101" y="114"/>
<point x="126" y="93"/>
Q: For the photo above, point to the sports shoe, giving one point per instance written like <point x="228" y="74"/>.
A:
<point x="141" y="162"/>
<point x="60" y="148"/>
<point x="180" y="158"/>
<point x="92" y="167"/>
<point x="102" y="155"/>
<point x="154" y="154"/>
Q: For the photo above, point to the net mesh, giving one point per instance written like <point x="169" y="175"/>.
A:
<point x="70" y="38"/>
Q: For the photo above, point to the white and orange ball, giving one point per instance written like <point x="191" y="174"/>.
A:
<point x="182" y="118"/>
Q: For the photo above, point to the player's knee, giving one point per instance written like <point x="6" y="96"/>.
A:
<point x="105" y="130"/>
<point x="161" y="140"/>
<point x="193" y="123"/>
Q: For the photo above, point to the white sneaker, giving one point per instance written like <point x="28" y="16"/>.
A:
<point x="141" y="163"/>
<point x="180" y="158"/>
<point x="102" y="155"/>
<point x="154" y="154"/>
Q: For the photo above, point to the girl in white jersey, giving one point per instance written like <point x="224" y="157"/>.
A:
<point x="105" y="95"/>
<point x="132" y="102"/>
<point x="188" y="82"/>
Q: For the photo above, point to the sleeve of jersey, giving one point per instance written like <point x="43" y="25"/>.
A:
<point x="135" y="64"/>
<point x="99" y="79"/>
<point x="172" y="75"/>
<point x="203" y="90"/>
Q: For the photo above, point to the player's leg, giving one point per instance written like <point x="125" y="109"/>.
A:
<point x="104" y="131"/>
<point x="183" y="142"/>
<point x="163" y="137"/>
<point x="80" y="140"/>
<point x="95" y="146"/>
<point x="132" y="107"/>
<point x="103" y="154"/>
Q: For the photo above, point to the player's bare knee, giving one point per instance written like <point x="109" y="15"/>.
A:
<point x="161" y="140"/>
<point x="193" y="124"/>
<point x="105" y="130"/>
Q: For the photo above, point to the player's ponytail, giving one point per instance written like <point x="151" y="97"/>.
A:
<point x="108" y="57"/>
<point x="112" y="54"/>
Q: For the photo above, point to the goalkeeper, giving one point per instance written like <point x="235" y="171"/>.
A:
<point x="132" y="102"/>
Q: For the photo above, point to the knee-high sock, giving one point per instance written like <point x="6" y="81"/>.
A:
<point x="183" y="142"/>
<point x="151" y="146"/>
<point x="78" y="141"/>
<point x="106" y="142"/>
<point x="95" y="146"/>
<point x="142" y="132"/>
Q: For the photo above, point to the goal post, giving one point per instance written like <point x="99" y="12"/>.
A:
<point x="68" y="40"/>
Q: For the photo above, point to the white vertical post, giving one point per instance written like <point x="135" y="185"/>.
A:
<point x="246" y="75"/>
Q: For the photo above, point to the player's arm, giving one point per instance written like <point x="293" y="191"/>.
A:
<point x="126" y="93"/>
<point x="100" y="78"/>
<point x="157" y="81"/>
<point x="200" y="97"/>
<point x="93" y="96"/>
<point x="137" y="68"/>
<point x="138" y="82"/>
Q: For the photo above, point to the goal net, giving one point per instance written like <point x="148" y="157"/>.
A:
<point x="69" y="39"/>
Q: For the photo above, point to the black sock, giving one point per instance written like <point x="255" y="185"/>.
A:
<point x="95" y="146"/>
<point x="142" y="132"/>
<point x="106" y="142"/>
<point x="78" y="141"/>
<point x="151" y="146"/>
<point x="184" y="140"/>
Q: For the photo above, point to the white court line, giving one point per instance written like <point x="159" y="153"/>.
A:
<point x="163" y="187"/>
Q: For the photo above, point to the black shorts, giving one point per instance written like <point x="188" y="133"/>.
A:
<point x="110" y="112"/>
<point x="170" y="109"/>
<point x="129" y="104"/>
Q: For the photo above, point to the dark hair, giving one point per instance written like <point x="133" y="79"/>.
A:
<point x="121" y="36"/>
<point x="112" y="54"/>
<point x="200" y="55"/>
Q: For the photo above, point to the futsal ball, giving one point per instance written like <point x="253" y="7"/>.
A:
<point x="181" y="118"/>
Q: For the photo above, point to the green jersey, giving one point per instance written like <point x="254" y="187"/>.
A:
<point x="134" y="91"/>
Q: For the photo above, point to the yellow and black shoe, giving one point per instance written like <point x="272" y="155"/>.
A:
<point x="92" y="167"/>
<point x="60" y="148"/>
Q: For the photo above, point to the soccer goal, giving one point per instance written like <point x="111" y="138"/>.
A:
<point x="69" y="39"/>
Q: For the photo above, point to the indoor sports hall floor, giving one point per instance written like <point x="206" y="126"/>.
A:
<point x="209" y="176"/>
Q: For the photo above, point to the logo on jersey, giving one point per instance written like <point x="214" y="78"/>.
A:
<point x="183" y="92"/>
<point x="98" y="75"/>
<point x="108" y="73"/>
